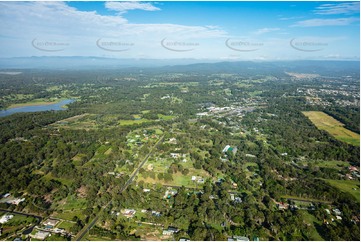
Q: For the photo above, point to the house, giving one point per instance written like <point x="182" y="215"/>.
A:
<point x="284" y="154"/>
<point x="146" y="190"/>
<point x="223" y="159"/>
<point x="229" y="148"/>
<point x="59" y="231"/>
<point x="338" y="217"/>
<point x="237" y="200"/>
<point x="250" y="155"/>
<point x="50" y="223"/>
<point x="170" y="231"/>
<point x="6" y="218"/>
<point x="240" y="238"/>
<point x="352" y="168"/>
<point x="156" y="213"/>
<point x="337" y="211"/>
<point x="129" y="213"/>
<point x="172" y="141"/>
<point x="282" y="206"/>
<point x="41" y="235"/>
<point x="327" y="211"/>
<point x="175" y="155"/>
<point x="16" y="201"/>
<point x="194" y="178"/>
<point x="226" y="148"/>
<point x="170" y="193"/>
<point x="6" y="195"/>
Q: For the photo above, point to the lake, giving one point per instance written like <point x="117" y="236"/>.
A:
<point x="36" y="108"/>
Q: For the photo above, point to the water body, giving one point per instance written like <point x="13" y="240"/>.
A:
<point x="36" y="108"/>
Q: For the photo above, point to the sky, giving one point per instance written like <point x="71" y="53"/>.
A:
<point x="178" y="30"/>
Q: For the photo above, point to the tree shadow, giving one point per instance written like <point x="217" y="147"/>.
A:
<point x="321" y="230"/>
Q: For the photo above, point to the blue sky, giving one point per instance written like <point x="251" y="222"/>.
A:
<point x="167" y="30"/>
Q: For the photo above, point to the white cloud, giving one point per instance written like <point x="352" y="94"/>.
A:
<point x="325" y="22"/>
<point x="22" y="22"/>
<point x="265" y="30"/>
<point x="123" y="7"/>
<point x="289" y="18"/>
<point x="338" y="8"/>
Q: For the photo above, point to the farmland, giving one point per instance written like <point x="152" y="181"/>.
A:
<point x="333" y="127"/>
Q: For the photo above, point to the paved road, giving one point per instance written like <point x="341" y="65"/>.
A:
<point x="87" y="227"/>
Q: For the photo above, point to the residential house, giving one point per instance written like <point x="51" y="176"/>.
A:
<point x="156" y="213"/>
<point x="170" y="231"/>
<point x="337" y="211"/>
<point x="172" y="141"/>
<point x="175" y="155"/>
<point x="240" y="238"/>
<point x="50" y="223"/>
<point x="352" y="168"/>
<point x="6" y="218"/>
<point x="6" y="195"/>
<point x="41" y="235"/>
<point x="129" y="213"/>
<point x="16" y="201"/>
<point x="170" y="193"/>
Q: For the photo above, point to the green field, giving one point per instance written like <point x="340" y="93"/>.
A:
<point x="165" y="117"/>
<point x="335" y="164"/>
<point x="346" y="186"/>
<point x="310" y="219"/>
<point x="305" y="199"/>
<point x="66" y="225"/>
<point x="37" y="102"/>
<point x="131" y="122"/>
<point x="333" y="127"/>
<point x="73" y="202"/>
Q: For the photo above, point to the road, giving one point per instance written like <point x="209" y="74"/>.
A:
<point x="29" y="229"/>
<point x="87" y="227"/>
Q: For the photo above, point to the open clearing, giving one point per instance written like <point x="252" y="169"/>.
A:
<point x="333" y="127"/>
<point x="37" y="102"/>
<point x="347" y="186"/>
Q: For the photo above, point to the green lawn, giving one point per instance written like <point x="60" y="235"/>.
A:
<point x="66" y="225"/>
<point x="165" y="117"/>
<point x="131" y="122"/>
<point x="73" y="202"/>
<point x="69" y="215"/>
<point x="21" y="219"/>
<point x="332" y="164"/>
<point x="347" y="186"/>
<point x="305" y="199"/>
<point x="310" y="219"/>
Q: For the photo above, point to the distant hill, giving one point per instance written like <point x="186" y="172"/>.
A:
<point x="324" y="68"/>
